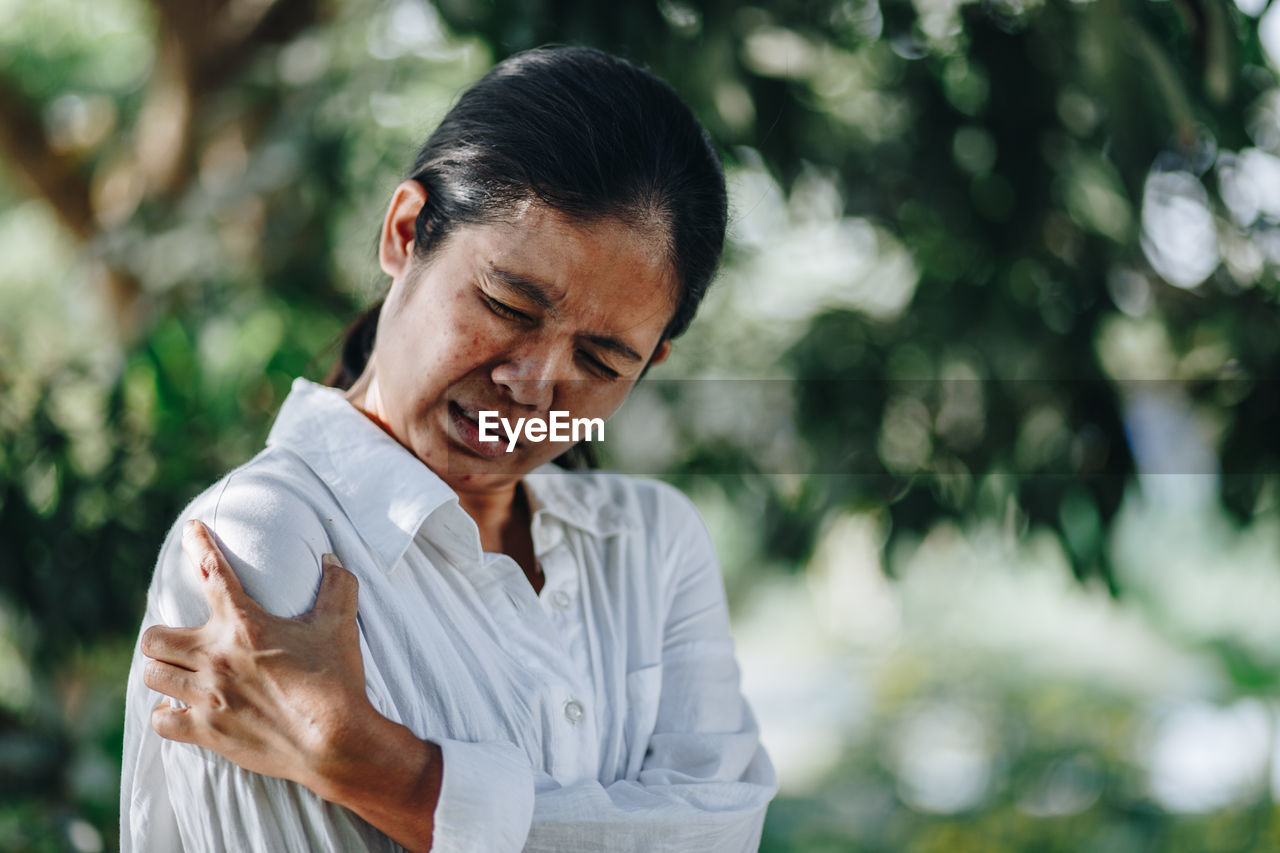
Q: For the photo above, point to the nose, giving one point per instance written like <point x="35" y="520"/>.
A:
<point x="529" y="376"/>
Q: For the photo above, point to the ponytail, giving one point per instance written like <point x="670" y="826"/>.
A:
<point x="357" y="346"/>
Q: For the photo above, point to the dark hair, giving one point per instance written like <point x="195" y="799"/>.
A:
<point x="590" y="136"/>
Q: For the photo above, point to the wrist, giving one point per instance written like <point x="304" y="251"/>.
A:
<point x="371" y="762"/>
<point x="387" y="775"/>
<point x="343" y="749"/>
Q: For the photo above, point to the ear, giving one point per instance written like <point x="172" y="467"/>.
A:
<point x="661" y="353"/>
<point x="395" y="248"/>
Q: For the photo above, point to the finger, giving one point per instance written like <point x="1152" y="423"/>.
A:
<point x="170" y="680"/>
<point x="221" y="586"/>
<point x="172" y="645"/>
<point x="339" y="591"/>
<point x="173" y="723"/>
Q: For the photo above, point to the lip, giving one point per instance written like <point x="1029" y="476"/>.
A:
<point x="467" y="433"/>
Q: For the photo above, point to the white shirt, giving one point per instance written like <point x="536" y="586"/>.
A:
<point x="604" y="712"/>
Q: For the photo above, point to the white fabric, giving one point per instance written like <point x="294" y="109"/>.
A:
<point x="603" y="713"/>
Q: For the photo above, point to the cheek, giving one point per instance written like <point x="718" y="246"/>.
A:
<point x="457" y="337"/>
<point x="597" y="401"/>
<point x="458" y="344"/>
<point x="473" y="335"/>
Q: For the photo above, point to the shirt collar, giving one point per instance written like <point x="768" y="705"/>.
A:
<point x="584" y="499"/>
<point x="388" y="493"/>
<point x="384" y="489"/>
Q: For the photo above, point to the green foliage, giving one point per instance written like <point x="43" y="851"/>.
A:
<point x="953" y="200"/>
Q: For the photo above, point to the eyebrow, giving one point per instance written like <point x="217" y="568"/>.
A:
<point x="539" y="294"/>
<point x="535" y="291"/>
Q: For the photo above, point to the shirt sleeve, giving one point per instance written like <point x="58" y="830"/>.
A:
<point x="705" y="780"/>
<point x="177" y="796"/>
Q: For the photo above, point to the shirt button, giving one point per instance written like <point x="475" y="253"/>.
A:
<point x="560" y="600"/>
<point x="573" y="711"/>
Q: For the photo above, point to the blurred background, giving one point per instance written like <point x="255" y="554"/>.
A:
<point x="1001" y="291"/>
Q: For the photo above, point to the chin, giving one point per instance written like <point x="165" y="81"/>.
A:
<point x="457" y="461"/>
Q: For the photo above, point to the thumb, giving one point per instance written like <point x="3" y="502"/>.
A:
<point x="339" y="590"/>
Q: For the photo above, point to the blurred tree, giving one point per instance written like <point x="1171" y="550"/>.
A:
<point x="1080" y="194"/>
<point x="200" y="48"/>
<point x="1012" y="149"/>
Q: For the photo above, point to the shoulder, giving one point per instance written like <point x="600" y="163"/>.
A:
<point x="273" y="493"/>
<point x="661" y="506"/>
<point x="679" y="553"/>
<point x="663" y="515"/>
<point x="612" y="501"/>
<point x="269" y="517"/>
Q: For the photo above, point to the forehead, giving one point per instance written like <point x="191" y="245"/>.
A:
<point x="600" y="270"/>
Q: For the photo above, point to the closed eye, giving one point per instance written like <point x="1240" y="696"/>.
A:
<point x="597" y="366"/>
<point x="504" y="310"/>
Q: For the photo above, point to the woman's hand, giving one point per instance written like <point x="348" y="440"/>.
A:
<point x="276" y="696"/>
<point x="286" y="697"/>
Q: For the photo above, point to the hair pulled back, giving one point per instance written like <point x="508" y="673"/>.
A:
<point x="590" y="136"/>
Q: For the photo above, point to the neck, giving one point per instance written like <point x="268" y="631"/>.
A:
<point x="363" y="394"/>
<point x="501" y="512"/>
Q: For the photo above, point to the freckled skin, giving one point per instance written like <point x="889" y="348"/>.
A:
<point x="439" y="341"/>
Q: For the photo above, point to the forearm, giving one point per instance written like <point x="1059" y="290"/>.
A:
<point x="630" y="817"/>
<point x="387" y="775"/>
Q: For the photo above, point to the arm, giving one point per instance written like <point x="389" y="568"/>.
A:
<point x="176" y="796"/>
<point x="705" y="781"/>
<point x="278" y="746"/>
<point x="305" y="712"/>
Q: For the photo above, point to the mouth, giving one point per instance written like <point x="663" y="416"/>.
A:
<point x="465" y="421"/>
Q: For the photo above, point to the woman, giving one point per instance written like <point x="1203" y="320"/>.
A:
<point x="539" y="659"/>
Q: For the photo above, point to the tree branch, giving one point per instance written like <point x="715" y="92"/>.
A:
<point x="203" y="45"/>
<point x="57" y="177"/>
<point x="278" y="22"/>
<point x="61" y="181"/>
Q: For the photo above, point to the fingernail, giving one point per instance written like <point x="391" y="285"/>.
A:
<point x="330" y="561"/>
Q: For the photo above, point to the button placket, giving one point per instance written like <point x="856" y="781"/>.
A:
<point x="561" y="576"/>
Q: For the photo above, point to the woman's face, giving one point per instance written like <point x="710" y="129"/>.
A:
<point x="533" y="314"/>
